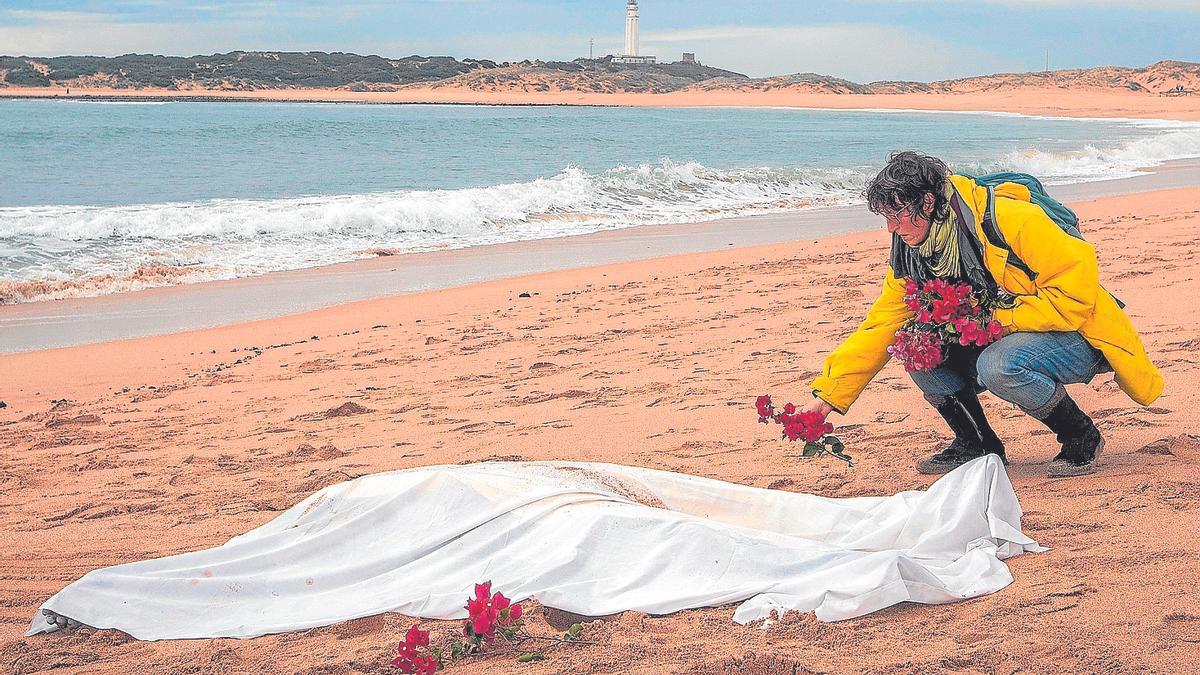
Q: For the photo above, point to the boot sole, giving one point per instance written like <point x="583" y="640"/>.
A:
<point x="1064" y="469"/>
<point x="939" y="468"/>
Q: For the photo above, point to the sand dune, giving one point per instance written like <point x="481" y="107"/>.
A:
<point x="121" y="451"/>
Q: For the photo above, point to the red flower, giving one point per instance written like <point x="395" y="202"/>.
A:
<point x="410" y="659"/>
<point x="499" y="602"/>
<point x="482" y="625"/>
<point x="487" y="612"/>
<point x="918" y="349"/>
<point x="417" y="637"/>
<point x="425" y="665"/>
<point x="995" y="330"/>
<point x="945" y="310"/>
<point x="811" y="426"/>
<point x="764" y="407"/>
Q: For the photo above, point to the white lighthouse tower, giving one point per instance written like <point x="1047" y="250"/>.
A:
<point x="631" y="28"/>
<point x="631" y="37"/>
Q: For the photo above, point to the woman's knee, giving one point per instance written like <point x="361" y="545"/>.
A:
<point x="1000" y="369"/>
<point x="938" y="382"/>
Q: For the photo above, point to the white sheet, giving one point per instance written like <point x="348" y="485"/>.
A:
<point x="587" y="538"/>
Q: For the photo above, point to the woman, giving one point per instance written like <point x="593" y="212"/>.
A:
<point x="1062" y="327"/>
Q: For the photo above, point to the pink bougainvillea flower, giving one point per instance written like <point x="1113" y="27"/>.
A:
<point x="417" y="637"/>
<point x="488" y="611"/>
<point x="810" y="426"/>
<point x="995" y="330"/>
<point x="944" y="310"/>
<point x="499" y="602"/>
<point x="425" y="665"/>
<point x="918" y="349"/>
<point x="483" y="625"/>
<point x="763" y="405"/>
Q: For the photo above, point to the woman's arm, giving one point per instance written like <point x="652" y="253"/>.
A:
<point x="855" y="362"/>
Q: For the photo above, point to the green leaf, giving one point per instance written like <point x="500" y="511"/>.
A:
<point x="530" y="656"/>
<point x="835" y="444"/>
<point x="575" y="630"/>
<point x="812" y="449"/>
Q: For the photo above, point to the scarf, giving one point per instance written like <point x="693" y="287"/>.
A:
<point x="952" y="250"/>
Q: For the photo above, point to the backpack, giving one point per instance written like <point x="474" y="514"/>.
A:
<point x="1058" y="212"/>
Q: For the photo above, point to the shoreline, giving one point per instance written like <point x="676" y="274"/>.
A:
<point x="1026" y="101"/>
<point x="54" y="324"/>
<point x="136" y="449"/>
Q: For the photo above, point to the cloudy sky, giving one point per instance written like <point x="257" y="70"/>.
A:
<point x="861" y="40"/>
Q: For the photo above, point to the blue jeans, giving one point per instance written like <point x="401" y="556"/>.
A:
<point x="1022" y="368"/>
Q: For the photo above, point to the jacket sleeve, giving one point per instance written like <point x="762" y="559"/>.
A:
<point x="1067" y="281"/>
<point x="850" y="366"/>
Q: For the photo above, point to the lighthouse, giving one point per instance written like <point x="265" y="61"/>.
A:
<point x="631" y="28"/>
<point x="631" y="37"/>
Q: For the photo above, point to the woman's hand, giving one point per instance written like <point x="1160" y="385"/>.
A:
<point x="817" y="405"/>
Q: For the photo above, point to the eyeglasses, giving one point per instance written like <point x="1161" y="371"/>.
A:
<point x="896" y="216"/>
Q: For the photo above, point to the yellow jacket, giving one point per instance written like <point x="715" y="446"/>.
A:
<point x="1066" y="296"/>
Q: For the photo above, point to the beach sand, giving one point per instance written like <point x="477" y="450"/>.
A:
<point x="122" y="451"/>
<point x="1025" y="100"/>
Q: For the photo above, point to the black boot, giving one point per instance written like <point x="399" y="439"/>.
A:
<point x="973" y="436"/>
<point x="991" y="443"/>
<point x="1080" y="439"/>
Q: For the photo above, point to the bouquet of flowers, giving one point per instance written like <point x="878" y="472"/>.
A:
<point x="946" y="314"/>
<point x="491" y="618"/>
<point x="810" y="426"/>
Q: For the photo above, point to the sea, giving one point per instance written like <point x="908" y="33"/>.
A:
<point x="101" y="197"/>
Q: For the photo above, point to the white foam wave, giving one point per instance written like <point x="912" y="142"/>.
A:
<point x="53" y="247"/>
<point x="1093" y="162"/>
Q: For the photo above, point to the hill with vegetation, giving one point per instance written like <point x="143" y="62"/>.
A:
<point x="254" y="71"/>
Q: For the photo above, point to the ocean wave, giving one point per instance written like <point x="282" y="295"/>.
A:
<point x="143" y="277"/>
<point x="51" y="252"/>
<point x="1094" y="162"/>
<point x="625" y="195"/>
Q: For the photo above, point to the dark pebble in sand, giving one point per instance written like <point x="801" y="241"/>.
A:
<point x="524" y="295"/>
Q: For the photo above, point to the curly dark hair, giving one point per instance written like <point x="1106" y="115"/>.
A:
<point x="905" y="180"/>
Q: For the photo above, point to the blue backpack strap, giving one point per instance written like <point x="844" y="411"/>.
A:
<point x="996" y="237"/>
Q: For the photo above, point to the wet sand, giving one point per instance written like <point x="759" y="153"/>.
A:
<point x="116" y="452"/>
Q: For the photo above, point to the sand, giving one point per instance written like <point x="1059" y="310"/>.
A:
<point x="121" y="451"/>
<point x="1029" y="101"/>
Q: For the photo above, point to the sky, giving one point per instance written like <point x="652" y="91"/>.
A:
<point x="860" y="40"/>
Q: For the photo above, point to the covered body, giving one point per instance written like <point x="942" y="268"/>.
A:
<point x="593" y="539"/>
